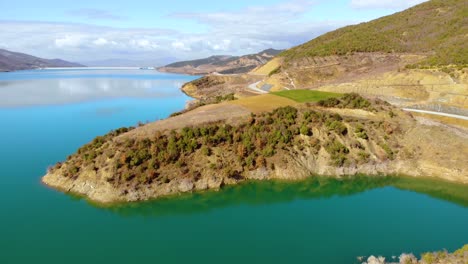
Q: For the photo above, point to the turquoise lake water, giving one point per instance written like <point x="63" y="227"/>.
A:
<point x="46" y="115"/>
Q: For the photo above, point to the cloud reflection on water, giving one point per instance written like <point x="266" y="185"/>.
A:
<point x="20" y="93"/>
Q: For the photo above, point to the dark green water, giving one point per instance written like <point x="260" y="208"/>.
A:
<point x="314" y="221"/>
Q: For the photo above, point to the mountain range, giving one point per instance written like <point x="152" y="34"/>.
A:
<point x="15" y="61"/>
<point x="223" y="64"/>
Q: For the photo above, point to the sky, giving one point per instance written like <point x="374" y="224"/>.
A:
<point x="91" y="30"/>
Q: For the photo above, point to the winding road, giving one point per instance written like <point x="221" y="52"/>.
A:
<point x="254" y="88"/>
<point x="435" y="113"/>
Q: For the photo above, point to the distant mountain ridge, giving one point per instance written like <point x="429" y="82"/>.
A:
<point x="224" y="64"/>
<point x="15" y="61"/>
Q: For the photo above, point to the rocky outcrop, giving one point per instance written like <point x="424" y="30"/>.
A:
<point x="442" y="257"/>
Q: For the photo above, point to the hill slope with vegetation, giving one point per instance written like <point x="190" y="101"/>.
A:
<point x="438" y="28"/>
<point x="416" y="58"/>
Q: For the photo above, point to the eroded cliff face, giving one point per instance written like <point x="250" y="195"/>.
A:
<point x="288" y="143"/>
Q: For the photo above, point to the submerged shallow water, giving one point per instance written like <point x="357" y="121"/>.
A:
<point x="47" y="115"/>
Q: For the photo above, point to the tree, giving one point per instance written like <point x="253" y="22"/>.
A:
<point x="305" y="130"/>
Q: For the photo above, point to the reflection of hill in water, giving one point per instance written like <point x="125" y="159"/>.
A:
<point x="270" y="192"/>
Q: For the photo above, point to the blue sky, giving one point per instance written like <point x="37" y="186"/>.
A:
<point x="94" y="30"/>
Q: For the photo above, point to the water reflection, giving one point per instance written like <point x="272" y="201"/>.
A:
<point x="51" y="88"/>
<point x="108" y="111"/>
<point x="273" y="192"/>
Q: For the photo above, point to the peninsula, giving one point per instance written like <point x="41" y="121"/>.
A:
<point x="330" y="107"/>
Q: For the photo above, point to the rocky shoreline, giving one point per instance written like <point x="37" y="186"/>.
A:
<point x="460" y="256"/>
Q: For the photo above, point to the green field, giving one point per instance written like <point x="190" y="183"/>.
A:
<point x="305" y="96"/>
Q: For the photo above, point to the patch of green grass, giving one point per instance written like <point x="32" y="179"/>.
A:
<point x="306" y="96"/>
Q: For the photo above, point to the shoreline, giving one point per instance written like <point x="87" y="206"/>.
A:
<point x="389" y="181"/>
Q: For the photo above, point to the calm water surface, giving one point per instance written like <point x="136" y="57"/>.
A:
<point x="47" y="115"/>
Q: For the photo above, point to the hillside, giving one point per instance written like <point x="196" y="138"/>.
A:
<point x="223" y="64"/>
<point x="416" y="58"/>
<point x="14" y="61"/>
<point x="438" y="28"/>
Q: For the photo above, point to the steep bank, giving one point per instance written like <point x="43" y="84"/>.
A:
<point x="337" y="137"/>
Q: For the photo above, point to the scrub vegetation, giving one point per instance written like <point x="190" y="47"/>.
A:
<point x="263" y="141"/>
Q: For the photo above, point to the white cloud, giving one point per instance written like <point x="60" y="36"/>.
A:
<point x="393" y="4"/>
<point x="179" y="45"/>
<point x="256" y="27"/>
<point x="69" y="41"/>
<point x="144" y="44"/>
<point x="236" y="32"/>
<point x="101" y="42"/>
<point x="82" y="42"/>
